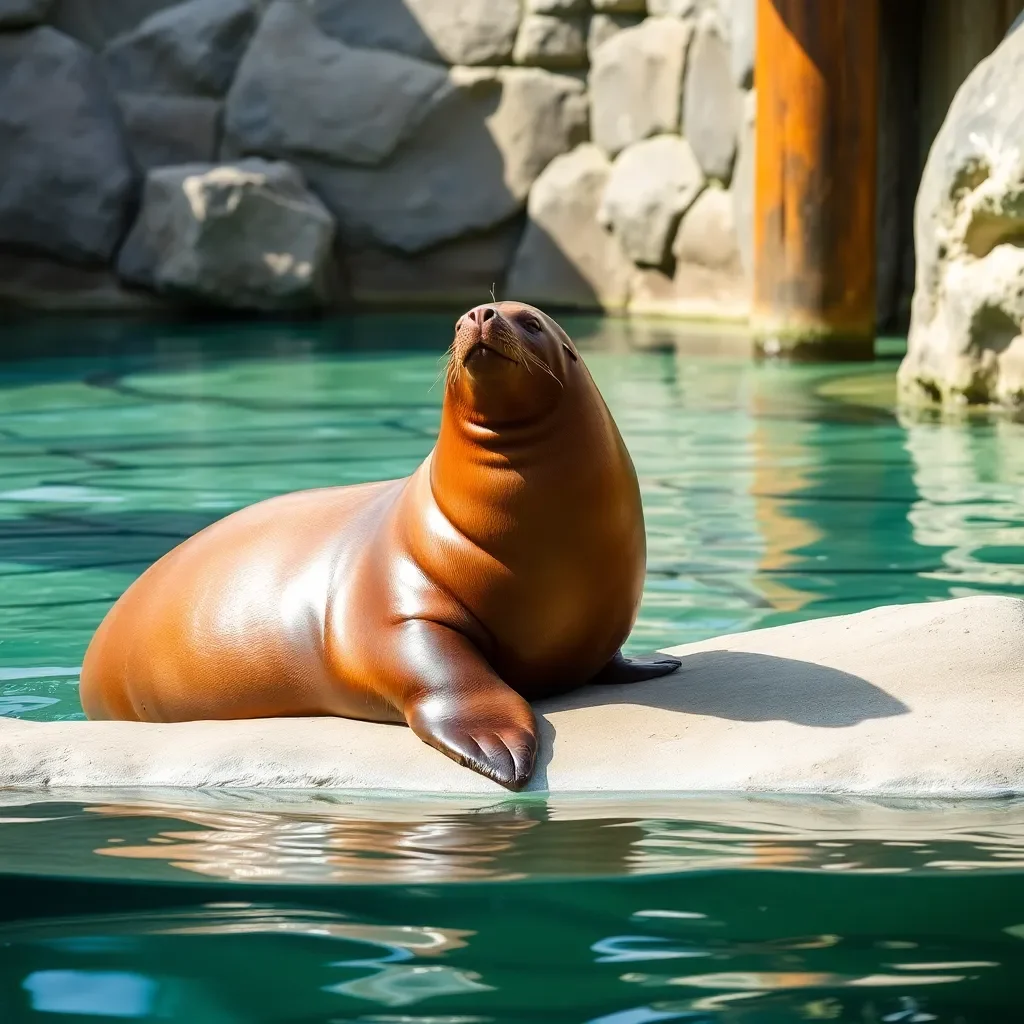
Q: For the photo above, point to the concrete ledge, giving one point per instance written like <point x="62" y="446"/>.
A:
<point x="914" y="700"/>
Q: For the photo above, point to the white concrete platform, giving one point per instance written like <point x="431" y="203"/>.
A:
<point x="912" y="700"/>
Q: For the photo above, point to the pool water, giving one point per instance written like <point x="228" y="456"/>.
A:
<point x="772" y="494"/>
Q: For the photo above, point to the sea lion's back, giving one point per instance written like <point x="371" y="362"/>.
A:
<point x="229" y="624"/>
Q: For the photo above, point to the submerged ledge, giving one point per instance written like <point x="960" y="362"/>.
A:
<point x="910" y="701"/>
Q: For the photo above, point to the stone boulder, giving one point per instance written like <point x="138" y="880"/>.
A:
<point x="468" y="168"/>
<point x="22" y="13"/>
<point x="445" y="31"/>
<point x="913" y="701"/>
<point x="561" y="8"/>
<point x="163" y="130"/>
<point x="192" y="49"/>
<point x="621" y="6"/>
<point x="603" y="26"/>
<point x="565" y="258"/>
<point x="707" y="233"/>
<point x="965" y="344"/>
<point x="672" y="8"/>
<point x="741" y="16"/>
<point x="67" y="183"/>
<point x="549" y="42"/>
<point x="713" y="103"/>
<point x="336" y="103"/>
<point x="651" y="185"/>
<point x="742" y="187"/>
<point x="97" y="22"/>
<point x="636" y="83"/>
<point x="242" y="236"/>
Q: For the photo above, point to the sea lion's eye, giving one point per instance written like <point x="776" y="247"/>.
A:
<point x="531" y="323"/>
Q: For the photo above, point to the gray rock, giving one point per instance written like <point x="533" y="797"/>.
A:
<point x="22" y="13"/>
<point x="966" y="344"/>
<point x="97" y="22"/>
<point x="604" y="26"/>
<point x="620" y="6"/>
<point x="652" y="184"/>
<point x="468" y="168"/>
<point x="707" y="233"/>
<point x="191" y="49"/>
<point x="67" y="182"/>
<point x="461" y="273"/>
<point x="713" y="103"/>
<point x="742" y="187"/>
<point x="549" y="42"/>
<point x="446" y="31"/>
<point x="636" y="83"/>
<point x="243" y="236"/>
<point x="558" y="7"/>
<point x="337" y="103"/>
<point x="672" y="8"/>
<point x="565" y="258"/>
<point x="741" y="16"/>
<point x="163" y="130"/>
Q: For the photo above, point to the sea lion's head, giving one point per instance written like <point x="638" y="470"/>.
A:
<point x="510" y="361"/>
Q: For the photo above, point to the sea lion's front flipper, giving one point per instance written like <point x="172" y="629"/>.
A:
<point x="455" y="702"/>
<point x="621" y="670"/>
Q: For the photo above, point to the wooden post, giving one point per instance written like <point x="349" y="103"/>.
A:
<point x="816" y="75"/>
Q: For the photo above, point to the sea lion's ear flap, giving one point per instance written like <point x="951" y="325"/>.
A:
<point x="570" y="348"/>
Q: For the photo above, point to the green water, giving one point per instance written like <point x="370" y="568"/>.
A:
<point x="772" y="494"/>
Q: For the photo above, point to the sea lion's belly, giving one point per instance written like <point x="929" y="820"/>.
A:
<point x="230" y="624"/>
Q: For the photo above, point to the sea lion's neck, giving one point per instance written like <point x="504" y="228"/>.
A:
<point x="525" y="471"/>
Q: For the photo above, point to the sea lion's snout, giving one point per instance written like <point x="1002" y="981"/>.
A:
<point x="482" y="333"/>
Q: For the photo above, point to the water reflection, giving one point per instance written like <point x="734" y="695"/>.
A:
<point x="317" y="839"/>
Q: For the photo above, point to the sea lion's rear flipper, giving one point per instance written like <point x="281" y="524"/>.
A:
<point x="456" y="703"/>
<point x="621" y="670"/>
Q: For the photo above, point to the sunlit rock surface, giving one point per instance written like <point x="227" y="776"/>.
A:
<point x="966" y="344"/>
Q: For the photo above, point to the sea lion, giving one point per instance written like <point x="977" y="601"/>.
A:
<point x="508" y="567"/>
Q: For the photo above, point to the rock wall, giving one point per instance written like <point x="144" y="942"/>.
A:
<point x="290" y="154"/>
<point x="966" y="344"/>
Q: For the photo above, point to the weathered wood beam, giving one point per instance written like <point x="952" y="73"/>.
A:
<point x="815" y="192"/>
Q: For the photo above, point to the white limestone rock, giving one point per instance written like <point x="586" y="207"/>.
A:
<point x="966" y="343"/>
<point x="742" y="187"/>
<point x="636" y="83"/>
<point x="603" y="26"/>
<point x="548" y="42"/>
<point x="565" y="257"/>
<point x="712" y="103"/>
<point x="707" y="233"/>
<point x="651" y="185"/>
<point x="561" y="8"/>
